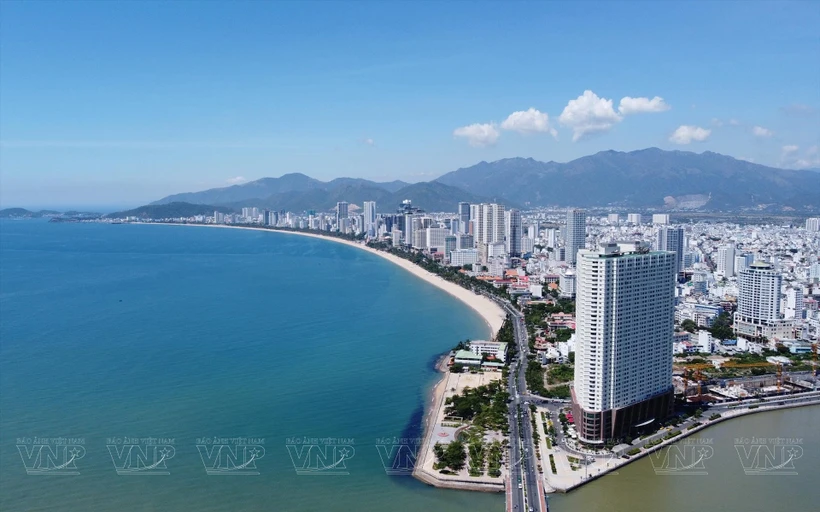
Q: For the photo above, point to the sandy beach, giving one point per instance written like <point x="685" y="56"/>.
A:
<point x="492" y="314"/>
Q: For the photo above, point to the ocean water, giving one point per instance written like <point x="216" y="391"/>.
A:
<point x="120" y="340"/>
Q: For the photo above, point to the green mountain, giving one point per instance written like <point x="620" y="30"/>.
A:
<point x="171" y="210"/>
<point x="645" y="178"/>
<point x="261" y="189"/>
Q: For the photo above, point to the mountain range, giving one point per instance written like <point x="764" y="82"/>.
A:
<point x="644" y="178"/>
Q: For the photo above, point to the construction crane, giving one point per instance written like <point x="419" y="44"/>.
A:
<point x="688" y="372"/>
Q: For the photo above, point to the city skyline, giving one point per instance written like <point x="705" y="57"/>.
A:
<point x="373" y="103"/>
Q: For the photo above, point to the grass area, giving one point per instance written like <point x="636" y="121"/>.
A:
<point x="559" y="373"/>
<point x="494" y="460"/>
<point x="633" y="452"/>
<point x="552" y="465"/>
<point x="485" y="406"/>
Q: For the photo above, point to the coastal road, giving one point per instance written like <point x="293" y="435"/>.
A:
<point x="527" y="492"/>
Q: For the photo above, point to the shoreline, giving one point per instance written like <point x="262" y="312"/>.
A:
<point x="796" y="402"/>
<point x="489" y="311"/>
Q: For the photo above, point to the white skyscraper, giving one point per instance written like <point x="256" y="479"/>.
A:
<point x="672" y="239"/>
<point x="613" y="218"/>
<point x="634" y="218"/>
<point x="369" y="217"/>
<point x="576" y="233"/>
<point x="813" y="224"/>
<point x="660" y="218"/>
<point x="624" y="329"/>
<point x="726" y="260"/>
<point x="513" y="232"/>
<point x="758" y="300"/>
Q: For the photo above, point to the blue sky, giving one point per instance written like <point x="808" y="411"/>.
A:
<point x="109" y="103"/>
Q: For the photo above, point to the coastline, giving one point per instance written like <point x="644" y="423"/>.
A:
<point x="492" y="314"/>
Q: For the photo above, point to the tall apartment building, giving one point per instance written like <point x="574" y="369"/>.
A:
<point x="794" y="303"/>
<point x="813" y="224"/>
<point x="671" y="239"/>
<point x="369" y="208"/>
<point x="726" y="260"/>
<point x="435" y="238"/>
<point x="341" y="215"/>
<point x="463" y="216"/>
<point x="576" y="233"/>
<point x="613" y="219"/>
<point x="513" y="232"/>
<point x="660" y="218"/>
<point x="634" y="218"/>
<point x="624" y="331"/>
<point x="758" y="302"/>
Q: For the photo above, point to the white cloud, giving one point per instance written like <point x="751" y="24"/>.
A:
<point x="687" y="133"/>
<point x="717" y="122"/>
<point x="588" y="114"/>
<point x="369" y="142"/>
<point x="642" y="105"/>
<point x="759" y="131"/>
<point x="791" y="159"/>
<point x="479" y="135"/>
<point x="734" y="122"/>
<point x="746" y="159"/>
<point x="236" y="180"/>
<point x="529" y="121"/>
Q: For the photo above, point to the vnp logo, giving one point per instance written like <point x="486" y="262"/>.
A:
<point x="141" y="455"/>
<point x="51" y="455"/>
<point x="769" y="456"/>
<point x="398" y="455"/>
<point x="320" y="456"/>
<point x="687" y="457"/>
<point x="231" y="455"/>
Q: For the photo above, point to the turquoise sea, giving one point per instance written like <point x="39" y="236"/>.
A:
<point x="124" y="345"/>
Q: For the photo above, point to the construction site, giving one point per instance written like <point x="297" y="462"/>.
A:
<point x="722" y="380"/>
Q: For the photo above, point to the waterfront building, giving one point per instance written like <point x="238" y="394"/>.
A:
<point x="369" y="208"/>
<point x="396" y="236"/>
<point x="489" y="223"/>
<point x="465" y="241"/>
<point x="513" y="232"/>
<point x="576" y="233"/>
<point x="671" y="239"/>
<point x="496" y="349"/>
<point x="449" y="246"/>
<point x="341" y="216"/>
<point x="461" y="257"/>
<point x="624" y="330"/>
<point x="463" y="216"/>
<point x="435" y="238"/>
